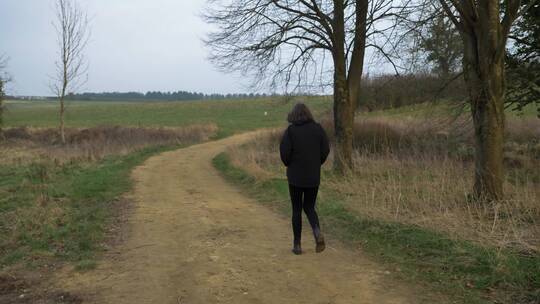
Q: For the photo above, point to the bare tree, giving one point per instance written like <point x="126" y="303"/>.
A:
<point x="484" y="26"/>
<point x="4" y="79"/>
<point x="287" y="42"/>
<point x="72" y="31"/>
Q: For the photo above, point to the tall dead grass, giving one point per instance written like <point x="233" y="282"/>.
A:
<point x="420" y="172"/>
<point x="21" y="145"/>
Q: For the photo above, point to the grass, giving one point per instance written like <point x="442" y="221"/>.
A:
<point x="56" y="202"/>
<point x="24" y="144"/>
<point x="62" y="211"/>
<point x="467" y="271"/>
<point x="406" y="202"/>
<point x="414" y="172"/>
<point x="231" y="116"/>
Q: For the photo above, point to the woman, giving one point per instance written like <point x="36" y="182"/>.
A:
<point x="304" y="148"/>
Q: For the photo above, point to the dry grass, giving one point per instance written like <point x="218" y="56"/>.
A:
<point x="23" y="145"/>
<point x="434" y="194"/>
<point x="420" y="172"/>
<point x="56" y="200"/>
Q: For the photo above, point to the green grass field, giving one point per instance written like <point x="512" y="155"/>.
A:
<point x="231" y="116"/>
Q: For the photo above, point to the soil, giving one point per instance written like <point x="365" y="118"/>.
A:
<point x="30" y="288"/>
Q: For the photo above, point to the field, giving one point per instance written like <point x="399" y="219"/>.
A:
<point x="230" y="116"/>
<point x="406" y="203"/>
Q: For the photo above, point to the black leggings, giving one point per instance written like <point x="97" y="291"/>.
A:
<point x="308" y="204"/>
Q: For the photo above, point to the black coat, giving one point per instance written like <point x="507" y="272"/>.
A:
<point x="304" y="148"/>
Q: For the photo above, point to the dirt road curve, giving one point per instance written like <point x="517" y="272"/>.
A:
<point x="196" y="239"/>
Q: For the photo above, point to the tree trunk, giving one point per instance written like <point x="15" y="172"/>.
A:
<point x="343" y="104"/>
<point x="62" y="128"/>
<point x="356" y="67"/>
<point x="343" y="121"/>
<point x="483" y="69"/>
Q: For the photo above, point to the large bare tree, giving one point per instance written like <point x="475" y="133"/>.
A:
<point x="484" y="26"/>
<point x="287" y="42"/>
<point x="72" y="31"/>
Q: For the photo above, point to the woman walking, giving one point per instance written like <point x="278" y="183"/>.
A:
<point x="304" y="148"/>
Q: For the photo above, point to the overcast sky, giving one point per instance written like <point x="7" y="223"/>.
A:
<point x="135" y="45"/>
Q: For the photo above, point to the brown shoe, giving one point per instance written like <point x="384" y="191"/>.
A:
<point x="320" y="245"/>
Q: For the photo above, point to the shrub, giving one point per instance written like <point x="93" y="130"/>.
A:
<point x="390" y="91"/>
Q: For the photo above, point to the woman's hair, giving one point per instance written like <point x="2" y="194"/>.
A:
<point x="300" y="114"/>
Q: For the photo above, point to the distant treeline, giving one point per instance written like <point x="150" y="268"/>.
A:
<point x="377" y="92"/>
<point x="157" y="95"/>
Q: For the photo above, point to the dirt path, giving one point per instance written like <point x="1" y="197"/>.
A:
<point x="196" y="239"/>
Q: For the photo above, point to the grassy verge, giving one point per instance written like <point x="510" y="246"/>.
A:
<point x="468" y="272"/>
<point x="50" y="211"/>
